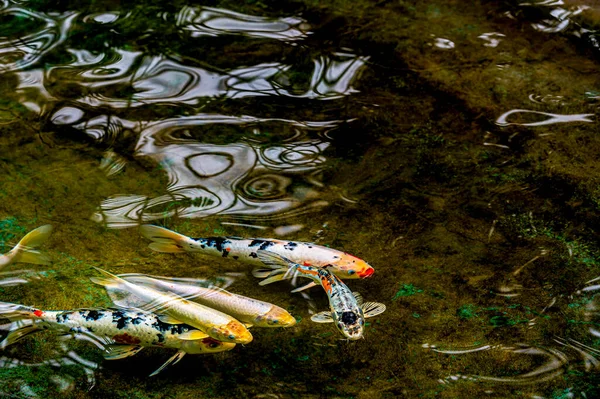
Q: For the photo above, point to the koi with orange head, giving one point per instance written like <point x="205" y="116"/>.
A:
<point x="340" y="263"/>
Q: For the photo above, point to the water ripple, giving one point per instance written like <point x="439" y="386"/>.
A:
<point x="207" y="21"/>
<point x="247" y="178"/>
<point x="24" y="51"/>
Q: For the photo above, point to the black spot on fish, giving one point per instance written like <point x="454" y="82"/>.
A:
<point x="62" y="318"/>
<point x="290" y="246"/>
<point x="349" y="317"/>
<point x="121" y="319"/>
<point x="161" y="337"/>
<point x="93" y="315"/>
<point x="137" y="320"/>
<point x="255" y="243"/>
<point x="170" y="328"/>
<point x="235" y="257"/>
<point x="253" y="255"/>
<point x="266" y="245"/>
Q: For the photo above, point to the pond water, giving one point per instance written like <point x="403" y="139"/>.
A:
<point x="452" y="145"/>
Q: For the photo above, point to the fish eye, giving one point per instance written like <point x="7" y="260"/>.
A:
<point x="351" y="272"/>
<point x="231" y="336"/>
<point x="213" y="345"/>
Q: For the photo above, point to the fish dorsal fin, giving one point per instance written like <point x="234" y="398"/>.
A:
<point x="305" y="287"/>
<point x="322" y="317"/>
<point x="186" y="287"/>
<point x="165" y="318"/>
<point x="371" y="309"/>
<point x="192" y="335"/>
<point x="172" y="360"/>
<point x="116" y="351"/>
<point x="359" y="298"/>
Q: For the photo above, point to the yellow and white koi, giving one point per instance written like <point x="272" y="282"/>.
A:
<point x="24" y="251"/>
<point x="347" y="309"/>
<point x="340" y="263"/>
<point x="120" y="333"/>
<point x="174" y="309"/>
<point x="250" y="311"/>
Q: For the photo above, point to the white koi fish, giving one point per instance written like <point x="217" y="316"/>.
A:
<point x="120" y="333"/>
<point x="174" y="309"/>
<point x="340" y="263"/>
<point x="251" y="312"/>
<point x="347" y="309"/>
<point x="24" y="251"/>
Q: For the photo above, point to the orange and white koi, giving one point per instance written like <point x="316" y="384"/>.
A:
<point x="119" y="333"/>
<point x="347" y="309"/>
<point x="174" y="309"/>
<point x="340" y="263"/>
<point x="24" y="251"/>
<point x="250" y="311"/>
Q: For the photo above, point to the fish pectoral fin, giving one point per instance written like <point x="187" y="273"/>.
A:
<point x="262" y="273"/>
<point x="172" y="360"/>
<point x="117" y="351"/>
<point x="305" y="287"/>
<point x="165" y="318"/>
<point x="248" y="325"/>
<point x="322" y="317"/>
<point x="371" y="309"/>
<point x="359" y="298"/>
<point x="192" y="335"/>
<point x="165" y="247"/>
<point x="272" y="260"/>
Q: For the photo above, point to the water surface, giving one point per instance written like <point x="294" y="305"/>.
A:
<point x="453" y="146"/>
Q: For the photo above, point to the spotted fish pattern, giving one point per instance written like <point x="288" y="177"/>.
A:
<point x="245" y="250"/>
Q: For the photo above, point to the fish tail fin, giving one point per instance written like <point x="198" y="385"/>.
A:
<point x="18" y="330"/>
<point x="108" y="280"/>
<point x="280" y="268"/>
<point x="15" y="312"/>
<point x="165" y="240"/>
<point x="24" y="251"/>
<point x="21" y="323"/>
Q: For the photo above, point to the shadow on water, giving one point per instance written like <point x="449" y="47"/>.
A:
<point x="451" y="146"/>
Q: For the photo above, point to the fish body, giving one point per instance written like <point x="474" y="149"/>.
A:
<point x="24" y="251"/>
<point x="340" y="263"/>
<point x="177" y="310"/>
<point x="121" y="333"/>
<point x="347" y="310"/>
<point x="249" y="311"/>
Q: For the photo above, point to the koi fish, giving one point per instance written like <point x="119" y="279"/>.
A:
<point x="24" y="251"/>
<point x="120" y="333"/>
<point x="347" y="309"/>
<point x="173" y="309"/>
<point x="251" y="312"/>
<point x="341" y="264"/>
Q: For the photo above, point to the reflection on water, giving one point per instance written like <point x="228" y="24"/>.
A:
<point x="207" y="21"/>
<point x="249" y="178"/>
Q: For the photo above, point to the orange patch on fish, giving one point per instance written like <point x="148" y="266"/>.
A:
<point x="38" y="313"/>
<point x="126" y="339"/>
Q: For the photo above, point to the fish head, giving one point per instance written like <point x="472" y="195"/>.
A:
<point x="275" y="317"/>
<point x="206" y="345"/>
<point x="350" y="324"/>
<point x="234" y="331"/>
<point x="349" y="266"/>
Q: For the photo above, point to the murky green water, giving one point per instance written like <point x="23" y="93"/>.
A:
<point x="452" y="145"/>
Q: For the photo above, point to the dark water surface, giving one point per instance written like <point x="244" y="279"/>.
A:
<point x="453" y="145"/>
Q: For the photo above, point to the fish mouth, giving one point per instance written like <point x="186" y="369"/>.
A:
<point x="367" y="273"/>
